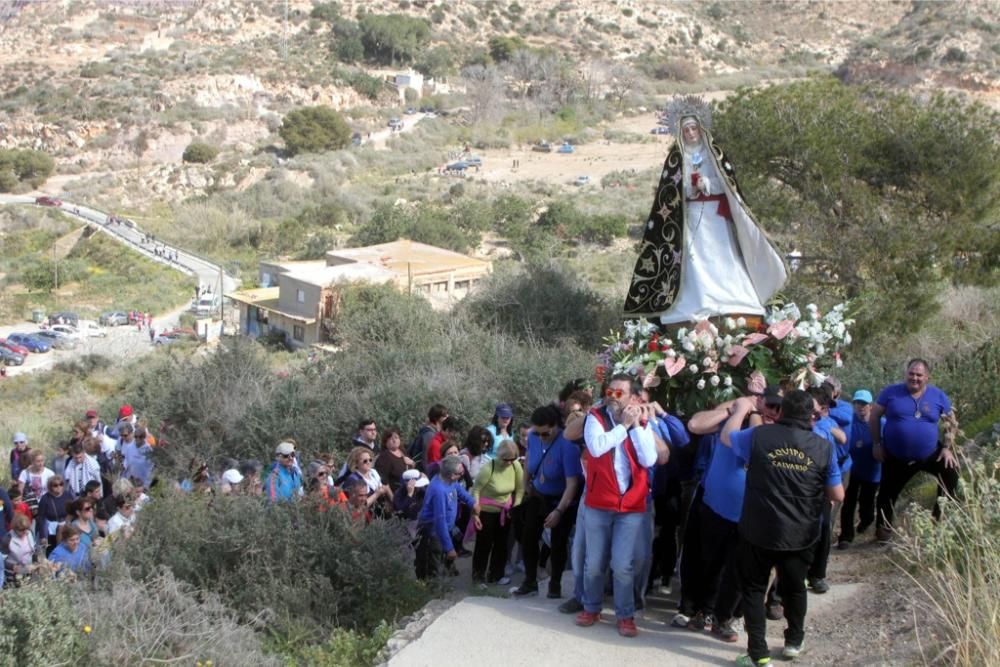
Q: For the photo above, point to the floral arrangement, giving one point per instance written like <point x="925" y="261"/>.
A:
<point x="706" y="364"/>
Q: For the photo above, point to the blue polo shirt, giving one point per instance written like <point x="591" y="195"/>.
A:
<point x="842" y="413"/>
<point x="725" y="479"/>
<point x="440" y="508"/>
<point x="823" y="428"/>
<point x="550" y="465"/>
<point x="907" y="436"/>
<point x="672" y="431"/>
<point x="742" y="441"/>
<point x="865" y="467"/>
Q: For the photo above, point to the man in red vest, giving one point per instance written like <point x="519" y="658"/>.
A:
<point x="620" y="447"/>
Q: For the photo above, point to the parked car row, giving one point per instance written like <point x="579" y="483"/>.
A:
<point x="17" y="346"/>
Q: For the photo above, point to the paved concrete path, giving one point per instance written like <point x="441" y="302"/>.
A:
<point x="487" y="631"/>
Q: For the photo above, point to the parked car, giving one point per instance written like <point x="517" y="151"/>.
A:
<point x="473" y="161"/>
<point x="64" y="317"/>
<point x="114" y="318"/>
<point x="68" y="330"/>
<point x="58" y="341"/>
<point x="14" y="347"/>
<point x="395" y="123"/>
<point x="174" y="335"/>
<point x="410" y="111"/>
<point x="461" y="165"/>
<point x="30" y="341"/>
<point x="542" y="147"/>
<point x="567" y="148"/>
<point x="659" y="129"/>
<point x="208" y="303"/>
<point x="581" y="181"/>
<point x="426" y="109"/>
<point x="10" y="358"/>
<point x="91" y="329"/>
<point x="48" y="201"/>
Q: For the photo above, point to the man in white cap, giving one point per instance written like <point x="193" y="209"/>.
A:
<point x="284" y="483"/>
<point x="231" y="480"/>
<point x="866" y="473"/>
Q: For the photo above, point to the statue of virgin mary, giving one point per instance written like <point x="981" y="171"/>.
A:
<point x="702" y="253"/>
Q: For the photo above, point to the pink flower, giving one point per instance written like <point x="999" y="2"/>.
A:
<point x="755" y="338"/>
<point x="736" y="354"/>
<point x="674" y="366"/>
<point x="757" y="383"/>
<point x="781" y="329"/>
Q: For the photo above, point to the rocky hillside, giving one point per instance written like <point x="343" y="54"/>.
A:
<point x="108" y="87"/>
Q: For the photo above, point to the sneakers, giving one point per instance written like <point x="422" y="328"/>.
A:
<point x="571" y="606"/>
<point x="502" y="581"/>
<point x="843" y="545"/>
<point x="747" y="661"/>
<point x="791" y="651"/>
<point x="883" y="534"/>
<point x="680" y="620"/>
<point x="725" y="631"/>
<point x="819" y="586"/>
<point x="774" y="612"/>
<point x="626" y="627"/>
<point x="526" y="589"/>
<point x="555" y="590"/>
<point x="699" y="622"/>
<point x="587" y="618"/>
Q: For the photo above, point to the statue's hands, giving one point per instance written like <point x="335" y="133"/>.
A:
<point x="703" y="185"/>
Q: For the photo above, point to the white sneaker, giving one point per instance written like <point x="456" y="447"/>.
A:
<point x="503" y="581"/>
<point x="680" y="620"/>
<point x="791" y="651"/>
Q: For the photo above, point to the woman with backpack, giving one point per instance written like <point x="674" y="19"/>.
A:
<point x="499" y="486"/>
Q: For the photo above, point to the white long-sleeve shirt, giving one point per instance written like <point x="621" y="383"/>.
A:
<point x="599" y="442"/>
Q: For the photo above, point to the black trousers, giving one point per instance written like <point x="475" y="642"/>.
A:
<point x="691" y="555"/>
<point x="537" y="507"/>
<point x="669" y="514"/>
<point x="859" y="497"/>
<point x="895" y="475"/>
<point x="821" y="557"/>
<point x="754" y="566"/>
<point x="489" y="558"/>
<point x="719" y="538"/>
<point x="430" y="553"/>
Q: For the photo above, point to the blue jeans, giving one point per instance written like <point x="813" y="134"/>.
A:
<point x="644" y="553"/>
<point x="611" y="535"/>
<point x="579" y="552"/>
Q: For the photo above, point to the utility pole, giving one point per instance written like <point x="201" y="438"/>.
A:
<point x="284" y="36"/>
<point x="55" y="266"/>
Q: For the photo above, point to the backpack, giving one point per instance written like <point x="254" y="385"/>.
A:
<point x="416" y="448"/>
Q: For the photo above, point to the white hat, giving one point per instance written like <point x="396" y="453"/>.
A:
<point x="411" y="474"/>
<point x="232" y="476"/>
<point x="285" y="448"/>
<point x="422" y="481"/>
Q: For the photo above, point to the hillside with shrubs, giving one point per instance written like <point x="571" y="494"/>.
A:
<point x="864" y="137"/>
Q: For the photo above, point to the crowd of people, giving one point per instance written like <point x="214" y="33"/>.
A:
<point x="734" y="509"/>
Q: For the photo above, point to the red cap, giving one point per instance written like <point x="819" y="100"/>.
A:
<point x="91" y="413"/>
<point x="125" y="411"/>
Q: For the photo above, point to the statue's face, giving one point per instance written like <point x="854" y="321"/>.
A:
<point x="691" y="132"/>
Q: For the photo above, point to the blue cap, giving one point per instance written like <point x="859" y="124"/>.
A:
<point x="862" y="396"/>
<point x="20" y="437"/>
<point x="504" y="411"/>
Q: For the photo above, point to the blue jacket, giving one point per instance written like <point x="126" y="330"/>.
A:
<point x="283" y="484"/>
<point x="440" y="509"/>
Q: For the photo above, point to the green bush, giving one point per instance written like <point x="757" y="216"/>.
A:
<point x="307" y="571"/>
<point x="39" y="627"/>
<point x="26" y="166"/>
<point x="177" y="621"/>
<point x="199" y="153"/>
<point x="344" y="647"/>
<point x="314" y="129"/>
<point x="542" y="302"/>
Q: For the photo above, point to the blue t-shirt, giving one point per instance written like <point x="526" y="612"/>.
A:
<point x="842" y="413"/>
<point x="742" y="442"/>
<point x="440" y="508"/>
<point x="866" y="468"/>
<point x="549" y="466"/>
<point x="907" y="436"/>
<point x="725" y="479"/>
<point x="823" y="428"/>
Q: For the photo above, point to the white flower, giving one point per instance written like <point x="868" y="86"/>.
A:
<point x="681" y="332"/>
<point x="839" y="363"/>
<point x="847" y="339"/>
<point x="724" y="359"/>
<point x="688" y="346"/>
<point x="730" y="323"/>
<point x="812" y="308"/>
<point x="820" y="350"/>
<point x="701" y="384"/>
<point x="720" y="342"/>
<point x="741" y="322"/>
<point x="706" y="362"/>
<point x="693" y="368"/>
<point x="670" y="354"/>
<point x="714" y="329"/>
<point x="715" y="380"/>
<point x="728" y="381"/>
